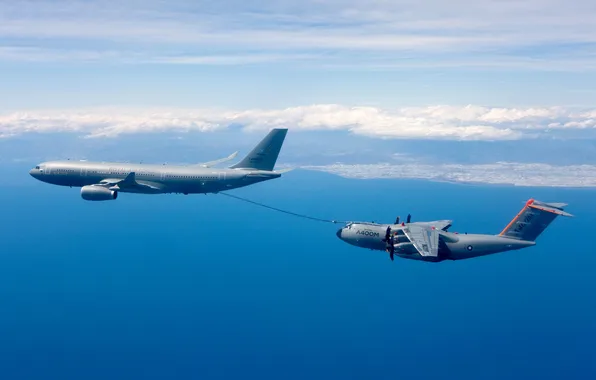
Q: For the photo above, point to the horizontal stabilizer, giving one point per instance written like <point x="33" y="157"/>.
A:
<point x="556" y="208"/>
<point x="555" y="205"/>
<point x="282" y="171"/>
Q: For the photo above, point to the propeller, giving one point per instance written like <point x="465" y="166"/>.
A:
<point x="387" y="234"/>
<point x="389" y="242"/>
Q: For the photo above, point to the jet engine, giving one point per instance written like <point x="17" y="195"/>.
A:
<point x="98" y="193"/>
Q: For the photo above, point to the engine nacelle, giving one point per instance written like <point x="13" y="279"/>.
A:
<point x="98" y="193"/>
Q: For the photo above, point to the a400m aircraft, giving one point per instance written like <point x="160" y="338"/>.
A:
<point x="101" y="181"/>
<point x="430" y="241"/>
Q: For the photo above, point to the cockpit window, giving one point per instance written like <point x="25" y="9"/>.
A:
<point x="37" y="167"/>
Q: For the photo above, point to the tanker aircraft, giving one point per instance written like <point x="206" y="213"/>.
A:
<point x="101" y="181"/>
<point x="430" y="241"/>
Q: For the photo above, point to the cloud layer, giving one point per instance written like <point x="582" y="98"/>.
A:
<point x="534" y="34"/>
<point x="433" y="122"/>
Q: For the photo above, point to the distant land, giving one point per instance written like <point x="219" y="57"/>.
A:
<point x="500" y="173"/>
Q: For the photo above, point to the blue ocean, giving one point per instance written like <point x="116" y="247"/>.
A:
<point x="209" y="287"/>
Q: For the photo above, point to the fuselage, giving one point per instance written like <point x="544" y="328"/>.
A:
<point x="189" y="179"/>
<point x="452" y="246"/>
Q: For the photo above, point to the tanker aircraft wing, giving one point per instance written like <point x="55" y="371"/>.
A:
<point x="209" y="164"/>
<point x="128" y="184"/>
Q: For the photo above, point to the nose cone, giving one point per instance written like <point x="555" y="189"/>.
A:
<point x="35" y="173"/>
<point x="338" y="233"/>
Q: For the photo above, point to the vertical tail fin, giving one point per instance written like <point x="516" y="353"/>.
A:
<point x="264" y="155"/>
<point x="533" y="219"/>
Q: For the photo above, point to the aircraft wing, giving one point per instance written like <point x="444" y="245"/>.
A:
<point x="209" y="164"/>
<point x="128" y="184"/>
<point x="438" y="224"/>
<point x="424" y="238"/>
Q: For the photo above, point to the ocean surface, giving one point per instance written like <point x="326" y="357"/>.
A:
<point x="209" y="287"/>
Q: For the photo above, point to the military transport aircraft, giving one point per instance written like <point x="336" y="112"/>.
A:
<point x="101" y="181"/>
<point x="430" y="241"/>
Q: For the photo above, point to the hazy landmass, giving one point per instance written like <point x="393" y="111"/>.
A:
<point x="505" y="173"/>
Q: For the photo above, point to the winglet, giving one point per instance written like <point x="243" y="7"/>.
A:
<point x="130" y="178"/>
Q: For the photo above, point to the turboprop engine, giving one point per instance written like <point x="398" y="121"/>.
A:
<point x="98" y="193"/>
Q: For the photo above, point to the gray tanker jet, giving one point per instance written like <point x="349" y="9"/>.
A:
<point x="430" y="241"/>
<point x="101" y="181"/>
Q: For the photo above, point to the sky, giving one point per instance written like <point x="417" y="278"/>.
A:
<point x="469" y="82"/>
<point x="243" y="55"/>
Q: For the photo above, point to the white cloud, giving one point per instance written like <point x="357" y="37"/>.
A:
<point x="103" y="123"/>
<point x="504" y="173"/>
<point x="433" y="122"/>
